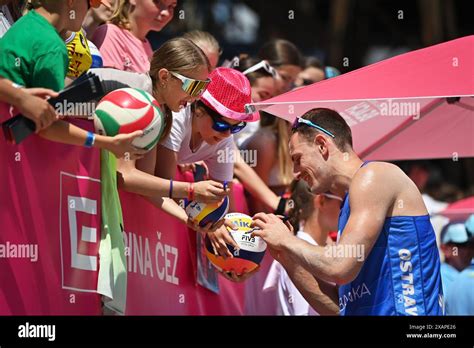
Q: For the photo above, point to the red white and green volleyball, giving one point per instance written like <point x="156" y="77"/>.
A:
<point x="127" y="110"/>
<point x="252" y="249"/>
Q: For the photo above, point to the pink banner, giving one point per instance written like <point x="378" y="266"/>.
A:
<point x="50" y="228"/>
<point x="162" y="267"/>
<point x="50" y="233"/>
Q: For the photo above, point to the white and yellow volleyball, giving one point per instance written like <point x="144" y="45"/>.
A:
<point x="252" y="249"/>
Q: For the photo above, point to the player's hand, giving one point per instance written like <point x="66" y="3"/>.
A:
<point x="272" y="229"/>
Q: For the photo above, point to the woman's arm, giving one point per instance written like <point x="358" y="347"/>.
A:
<point x="254" y="184"/>
<point x="167" y="162"/>
<point x="132" y="179"/>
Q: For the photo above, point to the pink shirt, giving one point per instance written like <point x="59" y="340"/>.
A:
<point x="121" y="50"/>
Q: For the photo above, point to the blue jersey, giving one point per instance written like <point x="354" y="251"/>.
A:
<point x="401" y="274"/>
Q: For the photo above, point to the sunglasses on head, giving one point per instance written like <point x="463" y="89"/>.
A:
<point x="302" y="121"/>
<point x="263" y="65"/>
<point x="193" y="87"/>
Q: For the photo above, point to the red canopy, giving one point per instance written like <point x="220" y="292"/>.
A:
<point x="416" y="105"/>
<point x="460" y="210"/>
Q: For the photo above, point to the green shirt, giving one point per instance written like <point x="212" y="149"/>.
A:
<point x="33" y="54"/>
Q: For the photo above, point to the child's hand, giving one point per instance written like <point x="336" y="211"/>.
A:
<point x="121" y="146"/>
<point x="209" y="191"/>
<point x="34" y="106"/>
<point x="219" y="240"/>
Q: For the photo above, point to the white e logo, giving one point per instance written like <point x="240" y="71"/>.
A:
<point x="88" y="234"/>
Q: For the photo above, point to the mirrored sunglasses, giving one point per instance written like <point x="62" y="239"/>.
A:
<point x="219" y="125"/>
<point x="195" y="88"/>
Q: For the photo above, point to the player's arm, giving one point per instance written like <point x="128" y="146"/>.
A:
<point x="321" y="295"/>
<point x="370" y="199"/>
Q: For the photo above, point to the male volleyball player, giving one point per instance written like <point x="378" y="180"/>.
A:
<point x="386" y="261"/>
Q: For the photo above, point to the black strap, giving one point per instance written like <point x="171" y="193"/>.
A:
<point x="281" y="206"/>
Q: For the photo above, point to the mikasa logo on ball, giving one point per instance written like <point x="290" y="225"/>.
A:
<point x="243" y="236"/>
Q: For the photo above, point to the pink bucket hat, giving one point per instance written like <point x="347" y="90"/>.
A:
<point x="228" y="93"/>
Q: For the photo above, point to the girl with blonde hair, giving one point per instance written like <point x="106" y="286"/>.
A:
<point x="123" y="43"/>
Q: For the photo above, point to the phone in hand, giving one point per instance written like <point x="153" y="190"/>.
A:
<point x="199" y="173"/>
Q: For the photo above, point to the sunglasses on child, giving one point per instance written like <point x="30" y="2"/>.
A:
<point x="193" y="87"/>
<point x="302" y="121"/>
<point x="219" y="125"/>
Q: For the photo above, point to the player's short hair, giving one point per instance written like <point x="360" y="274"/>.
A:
<point x="331" y="121"/>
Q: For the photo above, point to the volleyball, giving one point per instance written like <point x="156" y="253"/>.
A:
<point x="203" y="213"/>
<point x="252" y="249"/>
<point x="127" y="110"/>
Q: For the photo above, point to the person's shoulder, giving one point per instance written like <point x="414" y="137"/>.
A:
<point x="107" y="33"/>
<point x="183" y="116"/>
<point x="378" y="179"/>
<point x="107" y="29"/>
<point x="32" y="31"/>
<point x="181" y="122"/>
<point x="374" y="172"/>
